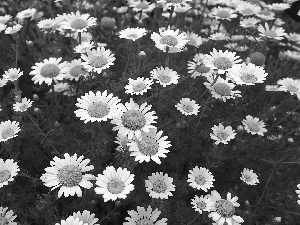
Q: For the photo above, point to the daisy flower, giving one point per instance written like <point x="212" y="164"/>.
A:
<point x="272" y="88"/>
<point x="222" y="134"/>
<point x="220" y="13"/>
<point x="27" y="13"/>
<point x="164" y="76"/>
<point x="9" y="169"/>
<point x="145" y="7"/>
<point x="133" y="33"/>
<point x="12" y="74"/>
<point x="293" y="37"/>
<point x="188" y="107"/>
<point x="182" y="8"/>
<point x="151" y="145"/>
<point x="249" y="22"/>
<point x="3" y="82"/>
<point x="68" y="174"/>
<point x="85" y="36"/>
<point x="248" y="74"/>
<point x="202" y="204"/>
<point x="86" y="217"/>
<point x="4" y="19"/>
<point x="247" y="8"/>
<point x="75" y="70"/>
<point x="47" y="25"/>
<point x="71" y="221"/>
<point x="194" y="39"/>
<point x="223" y="210"/>
<point x="9" y="129"/>
<point x="265" y="14"/>
<point x="278" y="6"/>
<point x="78" y="22"/>
<point x="84" y="47"/>
<point x="254" y="126"/>
<point x="122" y="142"/>
<point x="14" y="29"/>
<point x="114" y="183"/>
<point x="221" y="89"/>
<point x="143" y="216"/>
<point x="97" y="107"/>
<point x="298" y="191"/>
<point x="219" y="36"/>
<point x="7" y="217"/>
<point x="138" y="86"/>
<point x="249" y="177"/>
<point x="159" y="185"/>
<point x="23" y="105"/>
<point x="61" y="87"/>
<point x="197" y="66"/>
<point x="49" y="70"/>
<point x="276" y="33"/>
<point x="168" y="39"/>
<point x="133" y="119"/>
<point x="201" y="178"/>
<point x="174" y="3"/>
<point x="98" y="59"/>
<point x="2" y="27"/>
<point x="289" y="85"/>
<point x="221" y="61"/>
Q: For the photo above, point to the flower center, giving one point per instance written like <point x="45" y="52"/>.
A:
<point x="144" y="221"/>
<point x="270" y="33"/>
<point x="79" y="24"/>
<point x="23" y="107"/>
<point x="133" y="119"/>
<point x="222" y="89"/>
<point x="98" y="61"/>
<point x="159" y="186"/>
<point x="76" y="71"/>
<point x="248" y="78"/>
<point x="253" y="127"/>
<point x="69" y="175"/>
<point x="139" y="87"/>
<point x="169" y="40"/>
<point x="202" y="69"/>
<point x="222" y="63"/>
<point x="50" y="70"/>
<point x="188" y="108"/>
<point x="28" y="14"/>
<point x="249" y="24"/>
<point x="222" y="135"/>
<point x="13" y="76"/>
<point x="223" y="14"/>
<point x="8" y="133"/>
<point x="148" y="146"/>
<point x="132" y="36"/>
<point x="4" y="176"/>
<point x="200" y="180"/>
<point x="225" y="208"/>
<point x="3" y="220"/>
<point x="248" y="178"/>
<point x="98" y="110"/>
<point x="292" y="88"/>
<point x="142" y="5"/>
<point x="201" y="205"/>
<point x="265" y="12"/>
<point x="115" y="186"/>
<point x="247" y="11"/>
<point x="164" y="78"/>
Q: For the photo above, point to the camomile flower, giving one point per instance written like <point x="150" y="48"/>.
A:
<point x="221" y="61"/>
<point x="298" y="191"/>
<point x="78" y="22"/>
<point x="265" y="14"/>
<point x="249" y="22"/>
<point x="159" y="185"/>
<point x="151" y="145"/>
<point x="221" y="89"/>
<point x="222" y="134"/>
<point x="47" y="25"/>
<point x="272" y="88"/>
<point x="84" y="47"/>
<point x="9" y="169"/>
<point x="249" y="177"/>
<point x="253" y="126"/>
<point x="85" y="36"/>
<point x="142" y="6"/>
<point x="236" y="47"/>
<point x="7" y="217"/>
<point x="3" y="82"/>
<point x="276" y="33"/>
<point x="86" y="217"/>
<point x="248" y="74"/>
<point x="68" y="174"/>
<point x="114" y="183"/>
<point x="164" y="76"/>
<point x="200" y="178"/>
<point x="97" y="106"/>
<point x="9" y="129"/>
<point x="27" y="13"/>
<point x="202" y="204"/>
<point x="12" y="74"/>
<point x="173" y="3"/>
<point x="98" y="59"/>
<point x="2" y="27"/>
<point x="293" y="37"/>
<point x="133" y="33"/>
<point x="133" y="119"/>
<point x="139" y="86"/>
<point x="221" y="13"/>
<point x="49" y="70"/>
<point x="14" y="29"/>
<point x="289" y="85"/>
<point x="61" y="87"/>
<point x="188" y="107"/>
<point x="278" y="6"/>
<point x="23" y="105"/>
<point x="182" y="8"/>
<point x="122" y="141"/>
<point x="4" y="19"/>
<point x="143" y="217"/>
<point x="194" y="39"/>
<point x="75" y="70"/>
<point x="167" y="39"/>
<point x="71" y="221"/>
<point x="197" y="66"/>
<point x="247" y="8"/>
<point x="219" y="36"/>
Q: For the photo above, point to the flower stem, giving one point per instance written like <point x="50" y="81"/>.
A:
<point x="170" y="18"/>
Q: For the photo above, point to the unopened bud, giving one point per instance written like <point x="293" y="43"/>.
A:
<point x="276" y="220"/>
<point x="37" y="110"/>
<point x="291" y="140"/>
<point x="56" y="124"/>
<point x="142" y="55"/>
<point x="117" y="203"/>
<point x="35" y="97"/>
<point x="247" y="203"/>
<point x="240" y="128"/>
<point x="29" y="43"/>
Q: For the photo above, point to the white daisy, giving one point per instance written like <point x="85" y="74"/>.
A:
<point x="174" y="3"/>
<point x="272" y="88"/>
<point x="188" y="107"/>
<point x="247" y="8"/>
<point x="278" y="6"/>
<point x="12" y="74"/>
<point x="159" y="185"/>
<point x="151" y="145"/>
<point x="68" y="174"/>
<point x="9" y="169"/>
<point x="265" y="14"/>
<point x="98" y="59"/>
<point x="114" y="183"/>
<point x="71" y="221"/>
<point x="27" y="13"/>
<point x="133" y="33"/>
<point x="48" y="71"/>
<point x="222" y="134"/>
<point x="78" y="22"/>
<point x="248" y="74"/>
<point x="202" y="204"/>
<point x="23" y="105"/>
<point x="84" y="47"/>
<point x="138" y="6"/>
<point x="4" y="19"/>
<point x="8" y="129"/>
<point x="133" y="119"/>
<point x="168" y="39"/>
<point x="197" y="66"/>
<point x="86" y="217"/>
<point x="293" y="37"/>
<point x="276" y="33"/>
<point x="14" y="29"/>
<point x="164" y="76"/>
<point x="298" y="191"/>
<point x="221" y="13"/>
<point x="76" y="70"/>
<point x="143" y="217"/>
<point x="200" y="178"/>
<point x="3" y="82"/>
<point x="97" y="107"/>
<point x="2" y="27"/>
<point x="249" y="177"/>
<point x="289" y="85"/>
<point x="47" y="25"/>
<point x="194" y="39"/>
<point x="122" y="141"/>
<point x="249" y="22"/>
<point x="7" y="217"/>
<point x="85" y="37"/>
<point x="253" y="126"/>
<point x="139" y="86"/>
<point x="60" y="87"/>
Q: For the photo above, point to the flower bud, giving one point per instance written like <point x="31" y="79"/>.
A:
<point x="240" y="128"/>
<point x="247" y="203"/>
<point x="56" y="124"/>
<point x="291" y="140"/>
<point x="117" y="203"/>
<point x="29" y="43"/>
<point x="37" y="110"/>
<point x="35" y="97"/>
<point x="276" y="220"/>
<point x="257" y="58"/>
